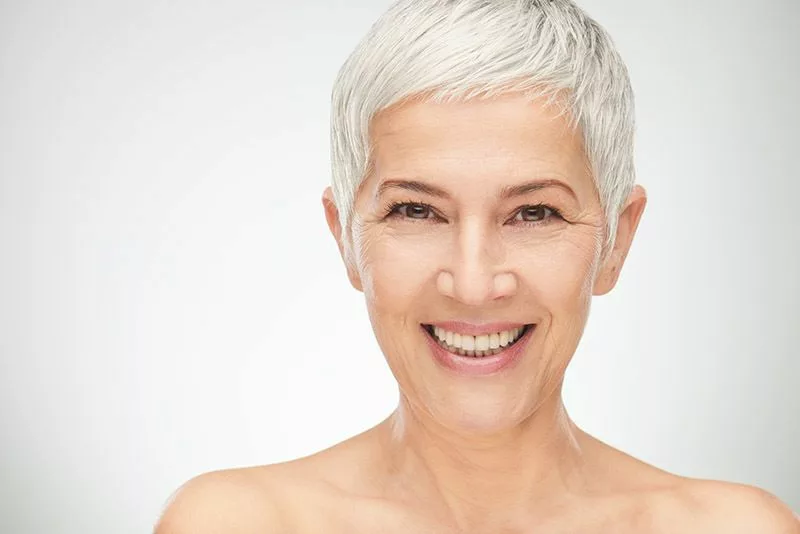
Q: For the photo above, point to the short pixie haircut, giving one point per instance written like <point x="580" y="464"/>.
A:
<point x="455" y="50"/>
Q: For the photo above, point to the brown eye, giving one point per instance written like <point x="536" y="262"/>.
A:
<point x="415" y="211"/>
<point x="534" y="213"/>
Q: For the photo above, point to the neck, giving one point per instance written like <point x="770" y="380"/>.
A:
<point x="471" y="477"/>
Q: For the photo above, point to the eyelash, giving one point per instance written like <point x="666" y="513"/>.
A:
<point x="393" y="207"/>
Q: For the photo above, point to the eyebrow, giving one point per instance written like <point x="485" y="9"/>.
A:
<point x="506" y="192"/>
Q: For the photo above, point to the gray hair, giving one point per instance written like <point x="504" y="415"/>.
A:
<point x="460" y="49"/>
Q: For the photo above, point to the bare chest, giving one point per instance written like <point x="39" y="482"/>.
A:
<point x="356" y="517"/>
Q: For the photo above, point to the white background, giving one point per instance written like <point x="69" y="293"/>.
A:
<point x="171" y="301"/>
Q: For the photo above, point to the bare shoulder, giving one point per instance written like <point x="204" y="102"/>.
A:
<point x="264" y="499"/>
<point x="712" y="507"/>
<point x="666" y="502"/>
<point x="235" y="501"/>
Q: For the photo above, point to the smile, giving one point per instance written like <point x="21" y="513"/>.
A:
<point x="476" y="346"/>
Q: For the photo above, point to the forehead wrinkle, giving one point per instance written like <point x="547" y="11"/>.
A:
<point x="417" y="158"/>
<point x="411" y="162"/>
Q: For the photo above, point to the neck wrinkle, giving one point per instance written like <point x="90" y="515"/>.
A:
<point x="474" y="478"/>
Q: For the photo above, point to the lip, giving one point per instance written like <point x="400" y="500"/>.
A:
<point x="480" y="366"/>
<point x="474" y="329"/>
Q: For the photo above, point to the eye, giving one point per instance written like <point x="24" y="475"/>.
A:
<point x="536" y="214"/>
<point x="411" y="210"/>
<point x="532" y="215"/>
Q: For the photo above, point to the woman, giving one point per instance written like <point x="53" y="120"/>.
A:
<point x="483" y="193"/>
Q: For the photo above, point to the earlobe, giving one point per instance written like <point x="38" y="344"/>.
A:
<point x="626" y="229"/>
<point x="607" y="278"/>
<point x="332" y="217"/>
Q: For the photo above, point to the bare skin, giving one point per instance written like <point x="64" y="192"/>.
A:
<point x="346" y="489"/>
<point x="492" y="454"/>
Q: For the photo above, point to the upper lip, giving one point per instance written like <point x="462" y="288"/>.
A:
<point x="476" y="329"/>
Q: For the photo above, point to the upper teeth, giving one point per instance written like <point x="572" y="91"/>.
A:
<point x="483" y="342"/>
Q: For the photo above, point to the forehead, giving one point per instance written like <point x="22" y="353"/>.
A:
<point x="505" y="139"/>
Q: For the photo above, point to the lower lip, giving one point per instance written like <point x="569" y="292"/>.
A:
<point x="481" y="365"/>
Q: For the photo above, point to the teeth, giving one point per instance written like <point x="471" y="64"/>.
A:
<point x="476" y="345"/>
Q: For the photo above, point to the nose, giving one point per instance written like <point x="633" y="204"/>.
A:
<point x="475" y="273"/>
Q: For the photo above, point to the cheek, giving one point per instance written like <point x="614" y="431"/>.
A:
<point x="395" y="270"/>
<point x="560" y="271"/>
<point x="395" y="274"/>
<point x="559" y="276"/>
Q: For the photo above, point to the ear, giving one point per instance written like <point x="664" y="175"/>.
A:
<point x="332" y="216"/>
<point x="626" y="228"/>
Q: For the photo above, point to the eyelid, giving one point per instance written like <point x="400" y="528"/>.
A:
<point x="555" y="212"/>
<point x="393" y="208"/>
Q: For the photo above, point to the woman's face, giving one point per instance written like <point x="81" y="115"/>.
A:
<point x="461" y="249"/>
